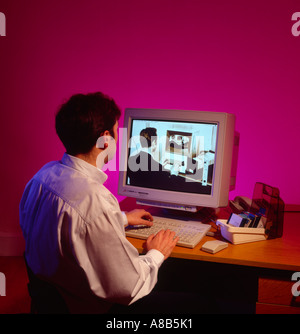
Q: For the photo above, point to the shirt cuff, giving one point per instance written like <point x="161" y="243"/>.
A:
<point x="125" y="221"/>
<point x="156" y="255"/>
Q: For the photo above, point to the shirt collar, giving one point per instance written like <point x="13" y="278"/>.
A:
<point x="84" y="167"/>
<point x="145" y="149"/>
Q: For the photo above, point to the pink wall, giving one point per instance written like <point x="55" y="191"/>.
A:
<point x="231" y="56"/>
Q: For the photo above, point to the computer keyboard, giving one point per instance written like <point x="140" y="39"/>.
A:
<point x="189" y="232"/>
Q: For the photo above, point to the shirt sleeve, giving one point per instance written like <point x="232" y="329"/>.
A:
<point x="113" y="266"/>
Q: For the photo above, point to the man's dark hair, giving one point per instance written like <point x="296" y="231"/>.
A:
<point x="150" y="135"/>
<point x="83" y="119"/>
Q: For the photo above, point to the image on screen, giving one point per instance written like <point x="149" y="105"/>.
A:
<point x="172" y="155"/>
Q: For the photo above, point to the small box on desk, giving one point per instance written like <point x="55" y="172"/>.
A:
<point x="240" y="235"/>
<point x="263" y="221"/>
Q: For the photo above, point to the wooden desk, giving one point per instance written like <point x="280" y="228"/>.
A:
<point x="271" y="262"/>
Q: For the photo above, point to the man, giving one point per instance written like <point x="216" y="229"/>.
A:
<point x="72" y="224"/>
<point x="143" y="169"/>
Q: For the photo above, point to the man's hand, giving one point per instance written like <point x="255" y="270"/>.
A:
<point x="164" y="241"/>
<point x="139" y="217"/>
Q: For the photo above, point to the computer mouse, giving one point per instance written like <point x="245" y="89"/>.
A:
<point x="214" y="246"/>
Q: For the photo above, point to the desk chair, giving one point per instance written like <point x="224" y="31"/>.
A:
<point x="45" y="298"/>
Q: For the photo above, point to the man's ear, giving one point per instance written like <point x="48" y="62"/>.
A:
<point x="106" y="135"/>
<point x="102" y="141"/>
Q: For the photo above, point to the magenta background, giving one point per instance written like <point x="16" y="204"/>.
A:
<point x="229" y="56"/>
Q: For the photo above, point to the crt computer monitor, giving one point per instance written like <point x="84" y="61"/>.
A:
<point x="177" y="159"/>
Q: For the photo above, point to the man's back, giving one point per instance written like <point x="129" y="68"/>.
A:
<point x="57" y="215"/>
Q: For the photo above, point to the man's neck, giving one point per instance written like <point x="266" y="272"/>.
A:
<point x="89" y="157"/>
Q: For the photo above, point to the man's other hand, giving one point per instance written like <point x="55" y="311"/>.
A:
<point x="164" y="241"/>
<point x="139" y="217"/>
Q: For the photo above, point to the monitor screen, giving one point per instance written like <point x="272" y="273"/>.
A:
<point x="181" y="157"/>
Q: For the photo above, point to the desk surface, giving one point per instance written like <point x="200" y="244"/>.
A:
<point x="281" y="253"/>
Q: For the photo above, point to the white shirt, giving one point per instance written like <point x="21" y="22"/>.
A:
<point x="75" y="238"/>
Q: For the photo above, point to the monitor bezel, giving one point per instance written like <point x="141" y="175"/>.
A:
<point x="224" y="146"/>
